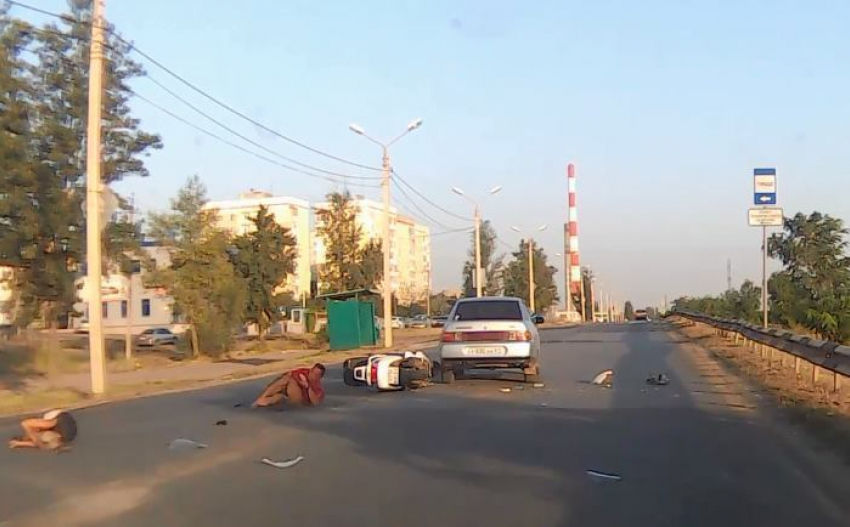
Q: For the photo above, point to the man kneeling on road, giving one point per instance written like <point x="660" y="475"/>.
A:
<point x="52" y="431"/>
<point x="299" y="387"/>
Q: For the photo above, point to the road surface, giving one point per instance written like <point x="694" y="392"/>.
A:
<point x="699" y="452"/>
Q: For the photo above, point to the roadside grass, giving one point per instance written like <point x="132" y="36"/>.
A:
<point x="821" y="411"/>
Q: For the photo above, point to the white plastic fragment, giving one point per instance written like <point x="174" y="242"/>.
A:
<point x="539" y="385"/>
<point x="505" y="390"/>
<point x="604" y="378"/>
<point x="182" y="443"/>
<point x="597" y="475"/>
<point x="282" y="464"/>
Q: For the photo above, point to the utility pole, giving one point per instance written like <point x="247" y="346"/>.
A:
<point x="531" y="274"/>
<point x="764" y="275"/>
<point x="387" y="242"/>
<point x="128" y="333"/>
<point x="428" y="296"/>
<point x="478" y="279"/>
<point x="94" y="182"/>
<point x="729" y="274"/>
<point x="388" y="287"/>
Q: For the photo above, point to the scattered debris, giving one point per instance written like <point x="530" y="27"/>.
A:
<point x="282" y="464"/>
<point x="604" y="378"/>
<point x="237" y="405"/>
<point x="658" y="380"/>
<point x="543" y="405"/>
<point x="505" y="390"/>
<point x="186" y="444"/>
<point x="223" y="422"/>
<point x="519" y="387"/>
<point x="539" y="385"/>
<point x="597" y="475"/>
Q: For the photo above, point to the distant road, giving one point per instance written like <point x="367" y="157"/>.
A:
<point x="700" y="452"/>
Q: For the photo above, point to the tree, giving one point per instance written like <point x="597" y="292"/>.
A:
<point x="348" y="263"/>
<point x="490" y="261"/>
<point x="201" y="279"/>
<point x="516" y="277"/>
<point x="264" y="258"/>
<point x="813" y="289"/>
<point x="587" y="283"/>
<point x="629" y="310"/>
<point x="45" y="109"/>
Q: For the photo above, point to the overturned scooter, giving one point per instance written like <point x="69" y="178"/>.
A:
<point x="389" y="371"/>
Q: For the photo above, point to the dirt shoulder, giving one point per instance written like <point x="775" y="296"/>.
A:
<point x="823" y="412"/>
<point x="71" y="390"/>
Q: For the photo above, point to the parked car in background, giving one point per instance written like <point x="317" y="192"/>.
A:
<point x="641" y="315"/>
<point x="398" y="323"/>
<point x="490" y="333"/>
<point x="438" y="321"/>
<point x="156" y="337"/>
<point x="419" y="321"/>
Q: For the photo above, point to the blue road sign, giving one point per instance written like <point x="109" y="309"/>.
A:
<point x="765" y="198"/>
<point x="764" y="186"/>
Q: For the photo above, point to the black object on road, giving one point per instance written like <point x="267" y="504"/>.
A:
<point x="658" y="380"/>
<point x="223" y="422"/>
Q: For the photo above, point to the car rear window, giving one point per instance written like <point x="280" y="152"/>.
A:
<point x="488" y="310"/>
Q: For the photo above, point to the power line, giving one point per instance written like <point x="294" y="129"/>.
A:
<point x="251" y="141"/>
<point x="39" y="10"/>
<point x="425" y="198"/>
<point x="420" y="209"/>
<point x="132" y="46"/>
<point x="232" y="110"/>
<point x="238" y="146"/>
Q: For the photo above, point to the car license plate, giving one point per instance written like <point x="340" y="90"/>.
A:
<point x="484" y="351"/>
<point x="392" y="376"/>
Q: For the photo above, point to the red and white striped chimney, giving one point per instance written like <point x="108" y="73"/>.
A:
<point x="572" y="231"/>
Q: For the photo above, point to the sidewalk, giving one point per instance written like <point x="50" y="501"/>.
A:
<point x="72" y="389"/>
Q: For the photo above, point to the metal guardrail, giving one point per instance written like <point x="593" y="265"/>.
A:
<point x="821" y="354"/>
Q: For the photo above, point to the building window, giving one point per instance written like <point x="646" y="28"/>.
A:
<point x="123" y="309"/>
<point x="146" y="307"/>
<point x="104" y="309"/>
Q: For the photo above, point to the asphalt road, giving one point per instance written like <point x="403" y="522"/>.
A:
<point x="703" y="451"/>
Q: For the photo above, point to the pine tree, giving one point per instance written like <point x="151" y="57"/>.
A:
<point x="42" y="220"/>
<point x="349" y="264"/>
<point x="264" y="258"/>
<point x="201" y="279"/>
<point x="516" y="277"/>
<point x="490" y="261"/>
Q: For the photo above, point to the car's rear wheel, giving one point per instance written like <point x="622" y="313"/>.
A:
<point x="532" y="373"/>
<point x="448" y="376"/>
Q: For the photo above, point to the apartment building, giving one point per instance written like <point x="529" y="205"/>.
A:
<point x="291" y="213"/>
<point x="410" y="247"/>
<point x="129" y="303"/>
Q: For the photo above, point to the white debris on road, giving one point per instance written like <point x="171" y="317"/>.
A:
<point x="282" y="464"/>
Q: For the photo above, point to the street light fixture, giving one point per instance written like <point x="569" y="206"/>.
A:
<point x="479" y="278"/>
<point x="385" y="186"/>
<point x="530" y="264"/>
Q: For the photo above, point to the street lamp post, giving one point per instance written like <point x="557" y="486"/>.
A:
<point x="530" y="266"/>
<point x="479" y="279"/>
<point x="385" y="186"/>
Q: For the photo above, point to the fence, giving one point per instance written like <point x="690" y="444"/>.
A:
<point x="784" y="347"/>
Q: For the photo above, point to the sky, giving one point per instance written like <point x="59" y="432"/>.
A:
<point x="665" y="108"/>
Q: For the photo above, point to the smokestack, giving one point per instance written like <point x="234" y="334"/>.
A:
<point x="574" y="279"/>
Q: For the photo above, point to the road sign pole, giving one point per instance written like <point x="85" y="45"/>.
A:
<point x="764" y="276"/>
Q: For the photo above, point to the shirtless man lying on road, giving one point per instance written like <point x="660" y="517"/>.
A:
<point x="53" y="431"/>
<point x="299" y="387"/>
